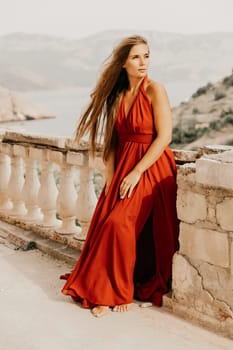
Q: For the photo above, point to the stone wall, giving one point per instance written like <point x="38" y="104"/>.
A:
<point x="203" y="268"/>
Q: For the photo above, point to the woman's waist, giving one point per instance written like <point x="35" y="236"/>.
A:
<point x="136" y="137"/>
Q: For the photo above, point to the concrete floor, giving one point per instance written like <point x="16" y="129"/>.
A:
<point x="34" y="315"/>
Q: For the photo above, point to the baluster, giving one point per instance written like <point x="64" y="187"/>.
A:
<point x="30" y="191"/>
<point x="5" y="203"/>
<point x="47" y="195"/>
<point x="15" y="186"/>
<point x="66" y="201"/>
<point x="86" y="201"/>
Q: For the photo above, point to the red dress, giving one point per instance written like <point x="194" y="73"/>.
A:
<point x="130" y="242"/>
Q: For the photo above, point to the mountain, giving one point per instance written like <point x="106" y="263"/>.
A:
<point x="206" y="118"/>
<point x="15" y="108"/>
<point x="181" y="62"/>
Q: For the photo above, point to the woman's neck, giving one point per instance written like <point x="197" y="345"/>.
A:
<point x="134" y="85"/>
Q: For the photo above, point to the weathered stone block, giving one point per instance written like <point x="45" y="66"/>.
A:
<point x="216" y="170"/>
<point x="214" y="198"/>
<point x="213" y="149"/>
<point x="189" y="291"/>
<point x="214" y="278"/>
<point x="20" y="151"/>
<point x="38" y="153"/>
<point x="186" y="174"/>
<point x="6" y="148"/>
<point x="75" y="158"/>
<point x="204" y="244"/>
<point x="191" y="206"/>
<point x="71" y="144"/>
<point x="184" y="156"/>
<point x="56" y="156"/>
<point x="224" y="214"/>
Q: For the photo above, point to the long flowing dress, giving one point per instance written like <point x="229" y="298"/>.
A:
<point x="130" y="242"/>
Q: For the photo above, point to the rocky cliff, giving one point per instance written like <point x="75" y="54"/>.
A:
<point x="207" y="117"/>
<point x="15" y="108"/>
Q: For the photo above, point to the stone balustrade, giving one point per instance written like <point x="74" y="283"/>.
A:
<point x="47" y="186"/>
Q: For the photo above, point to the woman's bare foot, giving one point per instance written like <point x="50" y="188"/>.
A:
<point x="122" y="308"/>
<point x="100" y="310"/>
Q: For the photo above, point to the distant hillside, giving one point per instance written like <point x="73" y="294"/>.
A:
<point x="15" y="108"/>
<point x="206" y="118"/>
<point x="29" y="62"/>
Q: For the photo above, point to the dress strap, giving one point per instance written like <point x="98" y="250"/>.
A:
<point x="142" y="87"/>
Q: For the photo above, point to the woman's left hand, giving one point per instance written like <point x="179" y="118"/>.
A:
<point x="129" y="183"/>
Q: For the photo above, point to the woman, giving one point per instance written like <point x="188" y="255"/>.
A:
<point x="134" y="230"/>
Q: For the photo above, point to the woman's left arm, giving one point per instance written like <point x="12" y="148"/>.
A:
<point x="163" y="125"/>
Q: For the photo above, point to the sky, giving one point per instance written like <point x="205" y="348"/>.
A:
<point x="80" y="18"/>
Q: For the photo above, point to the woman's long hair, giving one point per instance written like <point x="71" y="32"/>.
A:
<point x="99" y="117"/>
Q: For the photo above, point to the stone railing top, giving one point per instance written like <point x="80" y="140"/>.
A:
<point x="60" y="143"/>
<point x="182" y="156"/>
<point x="214" y="149"/>
<point x="38" y="139"/>
<point x="186" y="156"/>
<point x="224" y="157"/>
<point x="207" y="152"/>
<point x="65" y="144"/>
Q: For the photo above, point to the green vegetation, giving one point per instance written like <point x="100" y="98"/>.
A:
<point x="228" y="81"/>
<point x="183" y="135"/>
<point x="212" y="110"/>
<point x="202" y="90"/>
<point x="225" y="113"/>
<point x="195" y="110"/>
<point x="215" y="125"/>
<point x="187" y="131"/>
<point x="219" y="94"/>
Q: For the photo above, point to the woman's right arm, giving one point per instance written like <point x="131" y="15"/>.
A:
<point x="109" y="169"/>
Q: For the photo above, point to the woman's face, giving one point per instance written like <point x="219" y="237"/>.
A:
<point x="137" y="62"/>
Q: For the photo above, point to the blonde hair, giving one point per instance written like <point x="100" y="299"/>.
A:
<point x="99" y="117"/>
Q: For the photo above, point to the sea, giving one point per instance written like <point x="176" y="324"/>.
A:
<point x="67" y="105"/>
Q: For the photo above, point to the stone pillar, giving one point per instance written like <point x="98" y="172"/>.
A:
<point x="15" y="187"/>
<point x="5" y="171"/>
<point x="86" y="201"/>
<point x="17" y="180"/>
<point x="30" y="191"/>
<point x="47" y="195"/>
<point x="66" y="201"/>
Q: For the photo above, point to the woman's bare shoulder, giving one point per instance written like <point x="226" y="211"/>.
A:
<point x="154" y="87"/>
